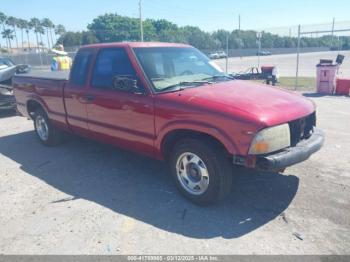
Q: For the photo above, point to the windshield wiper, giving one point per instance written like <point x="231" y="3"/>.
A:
<point x="216" y="77"/>
<point x="181" y="86"/>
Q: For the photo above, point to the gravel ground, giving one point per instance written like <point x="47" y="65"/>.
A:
<point x="87" y="198"/>
<point x="286" y="64"/>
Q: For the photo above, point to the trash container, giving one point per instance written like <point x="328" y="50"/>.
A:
<point x="343" y="86"/>
<point x="269" y="73"/>
<point x="326" y="74"/>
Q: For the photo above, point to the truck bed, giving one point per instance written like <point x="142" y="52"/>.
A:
<point x="44" y="87"/>
<point x="47" y="75"/>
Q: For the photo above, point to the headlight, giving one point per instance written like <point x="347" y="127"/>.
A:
<point x="270" y="140"/>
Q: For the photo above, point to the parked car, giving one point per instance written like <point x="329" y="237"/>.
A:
<point x="268" y="73"/>
<point x="214" y="56"/>
<point x="7" y="99"/>
<point x="263" y="53"/>
<point x="251" y="73"/>
<point x="218" y="55"/>
<point x="222" y="54"/>
<point x="169" y="102"/>
<point x="7" y="70"/>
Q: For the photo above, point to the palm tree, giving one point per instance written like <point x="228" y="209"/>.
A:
<point x="52" y="27"/>
<point x="34" y="23"/>
<point x="2" y="22"/>
<point x="47" y="24"/>
<point x="12" y="21"/>
<point x="40" y="29"/>
<point x="22" y="24"/>
<point x="27" y="28"/>
<point x="60" y="30"/>
<point x="8" y="35"/>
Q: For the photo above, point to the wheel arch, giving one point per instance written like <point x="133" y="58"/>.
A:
<point x="170" y="138"/>
<point x="32" y="105"/>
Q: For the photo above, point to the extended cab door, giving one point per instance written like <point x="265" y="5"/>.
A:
<point x="75" y="93"/>
<point x="122" y="117"/>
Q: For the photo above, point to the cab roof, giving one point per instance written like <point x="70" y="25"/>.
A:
<point x="136" y="45"/>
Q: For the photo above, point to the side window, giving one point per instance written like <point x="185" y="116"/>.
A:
<point x="111" y="63"/>
<point x="80" y="68"/>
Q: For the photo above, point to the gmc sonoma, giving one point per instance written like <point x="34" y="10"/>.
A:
<point x="170" y="102"/>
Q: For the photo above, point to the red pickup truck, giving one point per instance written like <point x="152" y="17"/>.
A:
<point x="170" y="102"/>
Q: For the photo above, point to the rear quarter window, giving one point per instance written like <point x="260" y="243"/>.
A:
<point x="80" y="68"/>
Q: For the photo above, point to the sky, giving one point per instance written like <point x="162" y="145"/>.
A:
<point x="209" y="15"/>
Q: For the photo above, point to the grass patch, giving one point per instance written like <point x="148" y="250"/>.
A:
<point x="304" y="83"/>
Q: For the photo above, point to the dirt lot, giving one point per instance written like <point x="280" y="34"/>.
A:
<point x="286" y="64"/>
<point x="87" y="198"/>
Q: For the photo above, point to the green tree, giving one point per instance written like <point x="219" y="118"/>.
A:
<point x="2" y="22"/>
<point x="12" y="21"/>
<point x="8" y="34"/>
<point x="22" y="25"/>
<point x="115" y="28"/>
<point x="59" y="30"/>
<point x="70" y="39"/>
<point x="47" y="24"/>
<point x="27" y="28"/>
<point x="34" y="23"/>
<point x="88" y="37"/>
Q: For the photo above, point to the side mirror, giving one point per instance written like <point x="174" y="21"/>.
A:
<point x="126" y="83"/>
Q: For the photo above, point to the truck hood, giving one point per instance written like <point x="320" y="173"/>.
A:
<point x="249" y="101"/>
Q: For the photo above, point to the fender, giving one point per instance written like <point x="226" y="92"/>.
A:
<point x="194" y="126"/>
<point x="58" y="119"/>
<point x="39" y="100"/>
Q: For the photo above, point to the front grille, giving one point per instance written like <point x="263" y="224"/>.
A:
<point x="302" y="128"/>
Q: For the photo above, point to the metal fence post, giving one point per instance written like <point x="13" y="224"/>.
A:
<point x="259" y="47"/>
<point x="227" y="54"/>
<point x="298" y="54"/>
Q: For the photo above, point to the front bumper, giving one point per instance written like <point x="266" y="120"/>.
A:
<point x="292" y="155"/>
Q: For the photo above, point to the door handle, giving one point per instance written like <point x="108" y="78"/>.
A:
<point x="87" y="99"/>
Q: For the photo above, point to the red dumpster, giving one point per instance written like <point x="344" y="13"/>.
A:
<point x="342" y="86"/>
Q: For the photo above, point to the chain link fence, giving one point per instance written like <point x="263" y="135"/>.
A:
<point x="271" y="46"/>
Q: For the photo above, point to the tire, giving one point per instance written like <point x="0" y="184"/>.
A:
<point x="44" y="130"/>
<point x="206" y="179"/>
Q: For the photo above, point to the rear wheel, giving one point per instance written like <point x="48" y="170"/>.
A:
<point x="201" y="171"/>
<point x="45" y="131"/>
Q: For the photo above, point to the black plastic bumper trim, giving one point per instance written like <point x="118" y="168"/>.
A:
<point x="292" y="155"/>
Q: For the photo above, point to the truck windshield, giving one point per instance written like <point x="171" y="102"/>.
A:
<point x="168" y="67"/>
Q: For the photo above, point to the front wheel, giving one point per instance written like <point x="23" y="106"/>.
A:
<point x="201" y="171"/>
<point x="45" y="131"/>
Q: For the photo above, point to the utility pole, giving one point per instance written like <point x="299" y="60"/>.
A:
<point x="333" y="32"/>
<point x="298" y="54"/>
<point x="141" y="25"/>
<point x="239" y="22"/>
